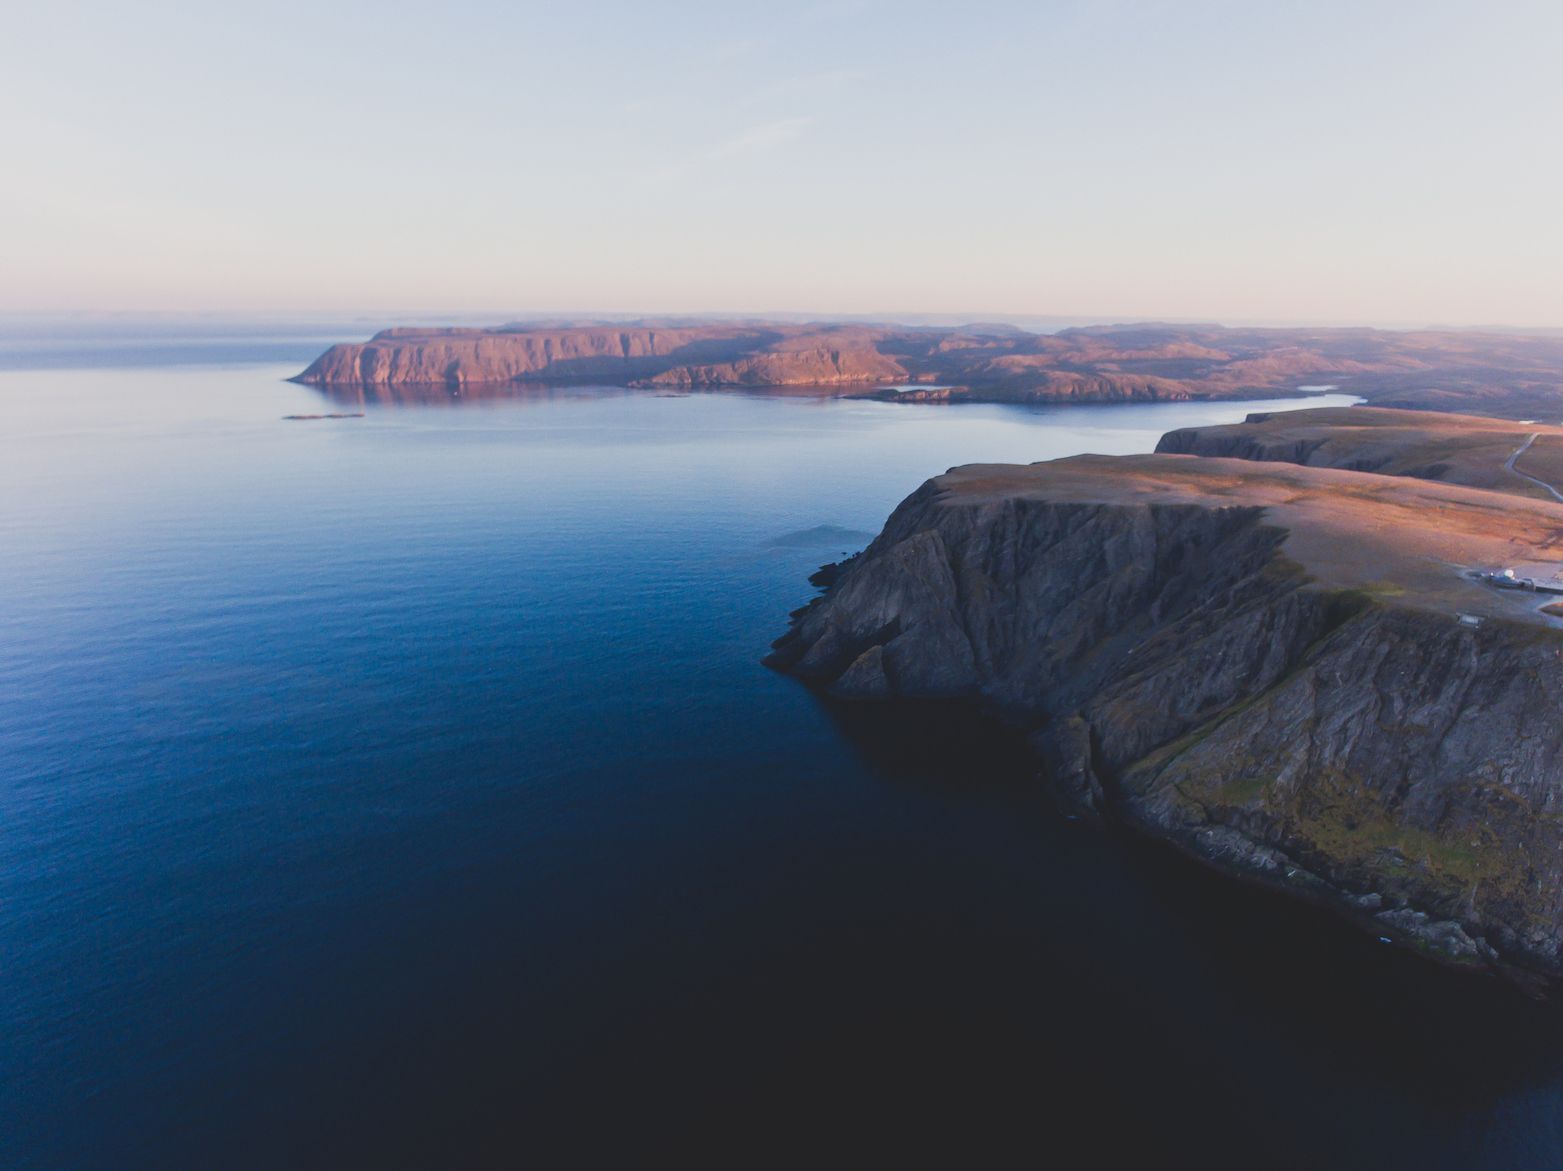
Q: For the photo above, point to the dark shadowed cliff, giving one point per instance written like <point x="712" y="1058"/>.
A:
<point x="1283" y="671"/>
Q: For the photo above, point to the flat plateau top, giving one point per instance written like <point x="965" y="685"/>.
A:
<point x="1408" y="541"/>
<point x="1328" y="421"/>
<point x="1461" y="449"/>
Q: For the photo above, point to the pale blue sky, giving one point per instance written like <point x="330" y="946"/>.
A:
<point x="1378" y="161"/>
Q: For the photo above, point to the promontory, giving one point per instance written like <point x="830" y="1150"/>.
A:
<point x="1303" y="676"/>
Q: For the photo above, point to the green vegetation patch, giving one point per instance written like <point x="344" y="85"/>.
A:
<point x="1346" y="821"/>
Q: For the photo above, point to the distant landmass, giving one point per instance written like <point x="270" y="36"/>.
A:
<point x="1510" y="375"/>
<point x="1303" y="675"/>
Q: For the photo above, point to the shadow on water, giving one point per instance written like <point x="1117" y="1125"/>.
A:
<point x="1260" y="1027"/>
<point x="943" y="745"/>
<point x="932" y="967"/>
<point x="975" y="981"/>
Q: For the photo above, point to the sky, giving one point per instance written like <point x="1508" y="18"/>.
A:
<point x="1375" y="161"/>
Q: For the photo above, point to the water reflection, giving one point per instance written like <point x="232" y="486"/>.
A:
<point x="446" y="394"/>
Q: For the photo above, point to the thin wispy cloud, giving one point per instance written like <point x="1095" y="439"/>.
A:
<point x="819" y="83"/>
<point x="752" y="141"/>
<point x="763" y="136"/>
<point x="733" y="49"/>
<point x="831" y="12"/>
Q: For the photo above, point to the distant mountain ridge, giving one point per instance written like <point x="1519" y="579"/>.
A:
<point x="1502" y="374"/>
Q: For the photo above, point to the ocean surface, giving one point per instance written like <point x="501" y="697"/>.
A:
<point x="406" y="790"/>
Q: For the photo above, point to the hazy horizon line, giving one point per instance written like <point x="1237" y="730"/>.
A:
<point x="479" y="318"/>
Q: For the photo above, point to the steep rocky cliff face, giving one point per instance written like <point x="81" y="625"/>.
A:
<point x="830" y="359"/>
<point x="483" y="356"/>
<point x="1244" y="665"/>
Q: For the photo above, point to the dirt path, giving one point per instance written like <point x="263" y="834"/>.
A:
<point x="1521" y="450"/>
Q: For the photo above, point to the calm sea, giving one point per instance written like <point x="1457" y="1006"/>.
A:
<point x="406" y="790"/>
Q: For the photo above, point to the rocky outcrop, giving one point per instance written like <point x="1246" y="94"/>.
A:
<point x="1272" y="668"/>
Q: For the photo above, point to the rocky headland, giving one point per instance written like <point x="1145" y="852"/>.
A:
<point x="1506" y="375"/>
<point x="1284" y="671"/>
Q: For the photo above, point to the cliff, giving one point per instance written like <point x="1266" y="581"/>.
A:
<point x="484" y="357"/>
<point x="1282" y="671"/>
<point x="844" y="355"/>
<point x="1492" y="374"/>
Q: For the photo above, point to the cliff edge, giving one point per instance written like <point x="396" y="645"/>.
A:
<point x="1283" y="671"/>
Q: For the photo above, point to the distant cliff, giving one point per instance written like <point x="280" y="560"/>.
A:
<point x="1277" y="669"/>
<point x="1492" y="374"/>
<point x="482" y="356"/>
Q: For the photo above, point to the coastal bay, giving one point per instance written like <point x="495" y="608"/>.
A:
<point x="332" y="829"/>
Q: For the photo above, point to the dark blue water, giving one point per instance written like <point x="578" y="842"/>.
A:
<point x="405" y="790"/>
